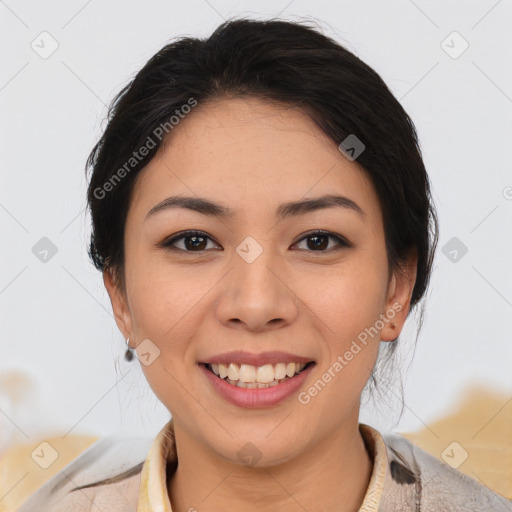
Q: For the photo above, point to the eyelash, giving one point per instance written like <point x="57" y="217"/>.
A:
<point x="342" y="242"/>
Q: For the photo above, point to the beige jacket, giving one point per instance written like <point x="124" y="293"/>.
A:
<point x="130" y="475"/>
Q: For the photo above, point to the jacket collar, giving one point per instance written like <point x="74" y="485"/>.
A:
<point x="153" y="495"/>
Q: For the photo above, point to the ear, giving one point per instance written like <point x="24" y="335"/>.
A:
<point x="400" y="288"/>
<point x="119" y="303"/>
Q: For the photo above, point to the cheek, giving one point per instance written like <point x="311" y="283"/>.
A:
<point x="163" y="298"/>
<point x="167" y="308"/>
<point x="348" y="299"/>
<point x="164" y="309"/>
<point x="346" y="315"/>
<point x="346" y="306"/>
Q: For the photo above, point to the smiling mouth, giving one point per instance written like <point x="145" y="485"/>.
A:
<point x="257" y="377"/>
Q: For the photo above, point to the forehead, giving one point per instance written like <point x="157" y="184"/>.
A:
<point x="245" y="150"/>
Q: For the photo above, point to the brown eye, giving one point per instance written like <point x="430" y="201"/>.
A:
<point x="318" y="241"/>
<point x="193" y="241"/>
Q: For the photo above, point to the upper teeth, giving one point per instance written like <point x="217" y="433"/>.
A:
<point x="249" y="373"/>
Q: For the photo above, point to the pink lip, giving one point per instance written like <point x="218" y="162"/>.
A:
<point x="255" y="398"/>
<point x="241" y="357"/>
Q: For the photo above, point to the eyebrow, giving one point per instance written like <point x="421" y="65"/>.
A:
<point x="294" y="208"/>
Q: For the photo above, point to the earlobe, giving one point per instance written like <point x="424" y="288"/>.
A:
<point x="119" y="303"/>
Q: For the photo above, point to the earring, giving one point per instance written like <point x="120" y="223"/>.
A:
<point x="392" y="325"/>
<point x="128" y="355"/>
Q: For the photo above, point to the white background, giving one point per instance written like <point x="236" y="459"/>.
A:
<point x="57" y="328"/>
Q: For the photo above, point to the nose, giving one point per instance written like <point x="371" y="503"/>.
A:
<point x="255" y="296"/>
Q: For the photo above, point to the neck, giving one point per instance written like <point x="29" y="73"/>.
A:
<point x="333" y="476"/>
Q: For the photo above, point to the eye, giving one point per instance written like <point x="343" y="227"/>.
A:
<point x="197" y="241"/>
<point x="320" y="241"/>
<point x="194" y="241"/>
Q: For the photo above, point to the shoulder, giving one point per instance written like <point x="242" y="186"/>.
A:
<point x="422" y="482"/>
<point x="105" y="476"/>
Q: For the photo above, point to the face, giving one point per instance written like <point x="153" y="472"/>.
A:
<point x="257" y="276"/>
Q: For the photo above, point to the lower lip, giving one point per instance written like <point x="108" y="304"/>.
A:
<point x="256" y="397"/>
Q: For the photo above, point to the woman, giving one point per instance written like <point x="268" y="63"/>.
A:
<point x="262" y="218"/>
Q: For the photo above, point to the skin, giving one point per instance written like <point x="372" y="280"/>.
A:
<point x="252" y="156"/>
